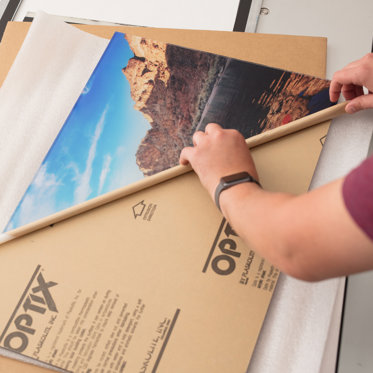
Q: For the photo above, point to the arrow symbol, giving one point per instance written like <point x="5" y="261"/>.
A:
<point x="138" y="209"/>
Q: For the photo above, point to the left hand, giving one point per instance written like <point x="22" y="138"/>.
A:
<point x="217" y="153"/>
<point x="350" y="82"/>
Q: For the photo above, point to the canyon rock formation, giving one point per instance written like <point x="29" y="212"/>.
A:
<point x="170" y="86"/>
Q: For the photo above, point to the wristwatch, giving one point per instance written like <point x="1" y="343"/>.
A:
<point x="227" y="182"/>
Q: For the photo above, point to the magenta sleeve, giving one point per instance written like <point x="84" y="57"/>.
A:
<point x="358" y="195"/>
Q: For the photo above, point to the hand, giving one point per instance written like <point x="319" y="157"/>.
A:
<point x="217" y="153"/>
<point x="351" y="80"/>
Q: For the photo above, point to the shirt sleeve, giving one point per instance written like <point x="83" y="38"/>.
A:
<point x="358" y="195"/>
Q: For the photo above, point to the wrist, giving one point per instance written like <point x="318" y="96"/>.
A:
<point x="237" y="197"/>
<point x="233" y="180"/>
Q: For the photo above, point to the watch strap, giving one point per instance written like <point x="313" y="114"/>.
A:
<point x="228" y="181"/>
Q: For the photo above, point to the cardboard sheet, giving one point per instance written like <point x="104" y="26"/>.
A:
<point x="301" y="54"/>
<point x="299" y="161"/>
<point x="135" y="285"/>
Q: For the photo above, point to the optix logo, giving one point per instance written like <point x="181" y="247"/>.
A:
<point x="35" y="301"/>
<point x="223" y="252"/>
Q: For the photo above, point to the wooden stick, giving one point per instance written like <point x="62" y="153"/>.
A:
<point x="297" y="125"/>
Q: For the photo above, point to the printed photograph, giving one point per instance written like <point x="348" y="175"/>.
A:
<point x="140" y="108"/>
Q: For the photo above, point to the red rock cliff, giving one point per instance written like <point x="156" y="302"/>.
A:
<point x="170" y="86"/>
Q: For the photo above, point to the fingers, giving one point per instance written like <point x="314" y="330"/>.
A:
<point x="212" y="127"/>
<point x="185" y="156"/>
<point x="351" y="79"/>
<point x="350" y="75"/>
<point x="351" y="91"/>
<point x="335" y="90"/>
<point x="187" y="153"/>
<point x="358" y="91"/>
<point x="197" y="137"/>
<point x="347" y="82"/>
<point x="359" y="103"/>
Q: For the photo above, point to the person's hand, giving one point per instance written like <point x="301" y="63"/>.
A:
<point x="350" y="82"/>
<point x="217" y="153"/>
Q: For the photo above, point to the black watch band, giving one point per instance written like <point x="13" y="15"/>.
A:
<point x="228" y="181"/>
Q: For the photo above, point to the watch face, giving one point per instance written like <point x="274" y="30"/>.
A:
<point x="235" y="177"/>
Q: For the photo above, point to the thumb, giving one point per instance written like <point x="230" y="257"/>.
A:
<point x="359" y="103"/>
<point x="185" y="156"/>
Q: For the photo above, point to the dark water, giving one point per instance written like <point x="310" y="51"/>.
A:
<point x="231" y="102"/>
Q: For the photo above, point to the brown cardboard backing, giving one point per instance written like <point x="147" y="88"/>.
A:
<point x="169" y="255"/>
<point x="301" y="54"/>
<point x="170" y="241"/>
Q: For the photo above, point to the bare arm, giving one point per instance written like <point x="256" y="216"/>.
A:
<point x="311" y="236"/>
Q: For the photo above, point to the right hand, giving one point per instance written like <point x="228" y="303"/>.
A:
<point x="350" y="82"/>
<point x="216" y="153"/>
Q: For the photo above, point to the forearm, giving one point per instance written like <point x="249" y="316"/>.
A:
<point x="310" y="236"/>
<point x="256" y="216"/>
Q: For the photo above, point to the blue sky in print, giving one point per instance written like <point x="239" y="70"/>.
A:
<point x="94" y="152"/>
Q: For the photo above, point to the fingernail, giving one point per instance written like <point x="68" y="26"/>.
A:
<point x="352" y="109"/>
